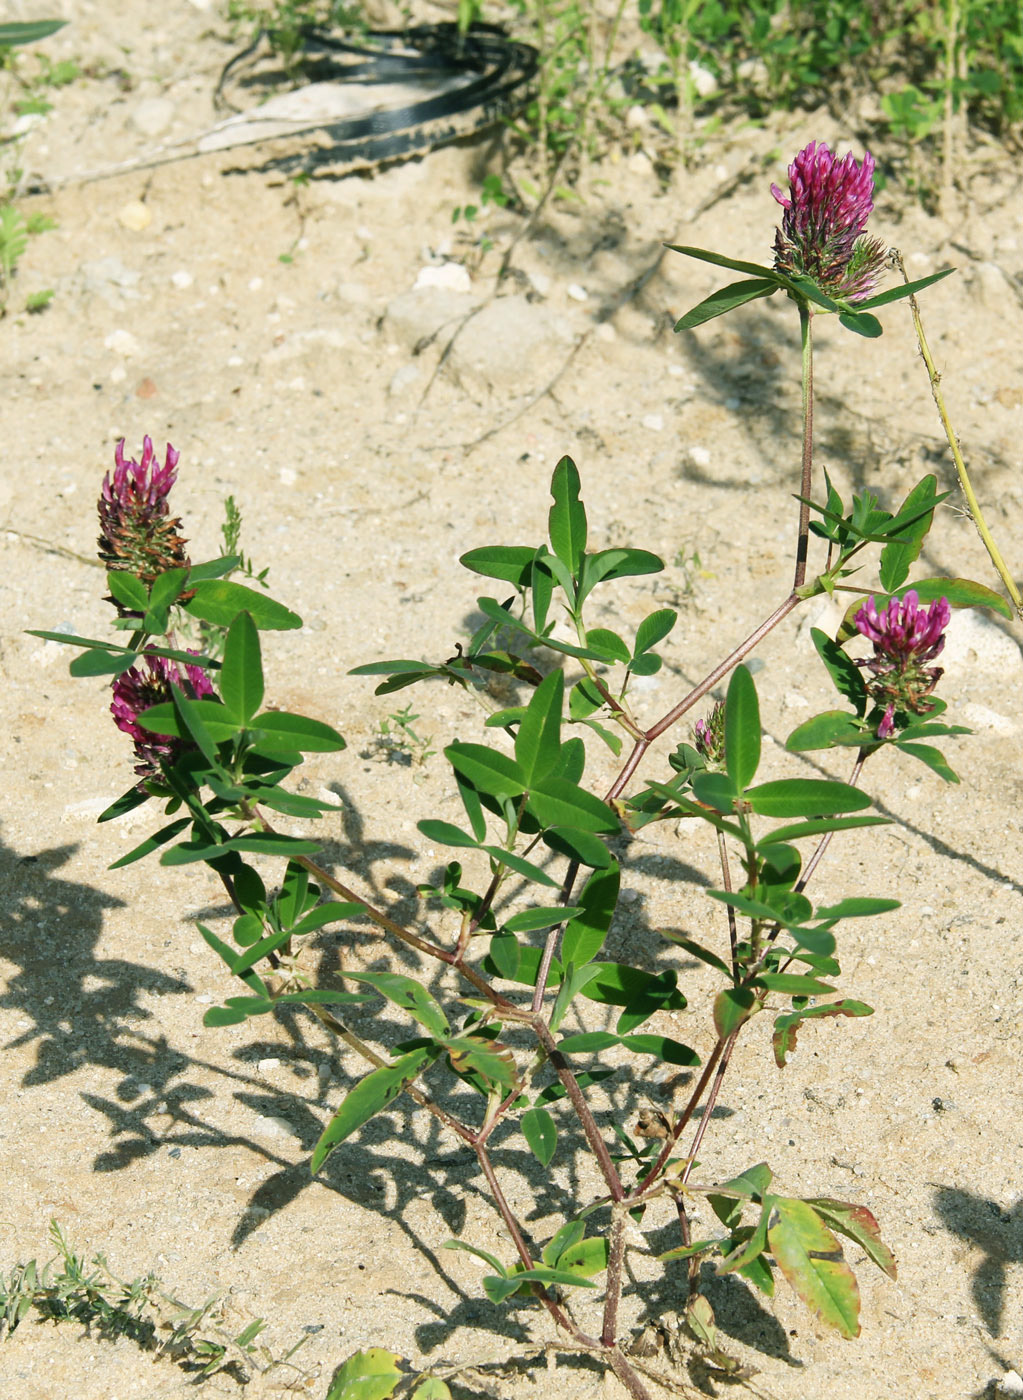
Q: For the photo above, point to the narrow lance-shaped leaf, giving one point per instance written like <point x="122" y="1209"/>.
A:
<point x="742" y="729"/>
<point x="899" y="554"/>
<point x="567" y="517"/>
<point x="368" y="1098"/>
<point x="241" y="677"/>
<point x="726" y="299"/>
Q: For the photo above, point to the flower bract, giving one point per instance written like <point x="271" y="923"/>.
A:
<point x="136" y="690"/>
<point x="137" y="531"/>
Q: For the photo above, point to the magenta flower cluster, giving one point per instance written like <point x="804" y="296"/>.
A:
<point x="823" y="227"/>
<point x="905" y="636"/>
<point x="136" y="690"/>
<point x="137" y="532"/>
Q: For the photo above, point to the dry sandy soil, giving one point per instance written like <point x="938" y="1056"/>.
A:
<point x="364" y="466"/>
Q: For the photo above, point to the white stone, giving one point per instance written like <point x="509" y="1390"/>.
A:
<point x="153" y="115"/>
<point x="268" y="1065"/>
<point x="450" y="275"/>
<point x="288" y="475"/>
<point x="654" y="422"/>
<point x="699" y="456"/>
<point x="1010" y="1384"/>
<point x="182" y="280"/>
<point x="980" y="717"/>
<point x="270" y="1126"/>
<point x="576" y="292"/>
<point x="135" y="216"/>
<point x="704" y="81"/>
<point x="122" y="342"/>
<point x="89" y="808"/>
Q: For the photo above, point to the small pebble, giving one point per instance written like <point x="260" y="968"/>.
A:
<point x="450" y="275"/>
<point x="576" y="292"/>
<point x="654" y="422"/>
<point x="134" y="216"/>
<point x="122" y="342"/>
<point x="1010" y="1384"/>
<point x="182" y="279"/>
<point x="699" y="456"/>
<point x="152" y="115"/>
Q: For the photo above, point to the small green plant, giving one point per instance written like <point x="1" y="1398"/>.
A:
<point x="398" y="737"/>
<point x="67" y="1288"/>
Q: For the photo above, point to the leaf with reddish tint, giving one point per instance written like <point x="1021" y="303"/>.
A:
<point x="859" y="1224"/>
<point x="788" y="1025"/>
<point x="811" y="1258"/>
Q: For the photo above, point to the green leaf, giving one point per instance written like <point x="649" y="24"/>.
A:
<point x="859" y="1224"/>
<point x="847" y="676"/>
<point x="612" y="647"/>
<point x="567" y="517"/>
<point x="28" y="31"/>
<point x="491" y="1060"/>
<point x="214" y="568"/>
<point x="558" y="802"/>
<point x="510" y="563"/>
<point x="277" y="731"/>
<point x="898" y="554"/>
<point x="241" y="676"/>
<point x="220" y="601"/>
<point x="431" y="1388"/>
<point x="410" y="995"/>
<point x="584" y="1257"/>
<point x="726" y="299"/>
<point x="101" y="663"/>
<point x="795" y="984"/>
<point x="124" y="804"/>
<point x="862" y="323"/>
<point x="654" y="629"/>
<point x="720" y="260"/>
<point x="128" y="590"/>
<point x="861" y="907"/>
<point x="538" y="741"/>
<point x="490" y="772"/>
<point x="750" y="1185"/>
<point x="585" y="934"/>
<point x="906" y="290"/>
<point x="588" y="1042"/>
<point x="810" y="1257"/>
<point x="578" y="845"/>
<point x="541" y="585"/>
<point x="167" y="588"/>
<point x="932" y="757"/>
<point x="831" y="729"/>
<point x="554" y="1092"/>
<point x="446" y="834"/>
<point x="540" y="1133"/>
<point x="523" y="867"/>
<point x="816" y="828"/>
<point x="733" y="1007"/>
<point x="672" y="1052"/>
<point x="698" y="951"/>
<point x="369" y="1097"/>
<point x="367" y="1375"/>
<point x="742" y="729"/>
<point x="530" y="919"/>
<point x="152" y="843"/>
<point x="616" y="563"/>
<point x="804" y="797"/>
<point x="251" y="979"/>
<point x="216" y="720"/>
<point x="788" y="1025"/>
<point x="490" y="1259"/>
<point x="716" y="790"/>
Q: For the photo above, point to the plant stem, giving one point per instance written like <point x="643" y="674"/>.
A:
<point x="597" y="1144"/>
<point x="711" y="680"/>
<point x="803" y="537"/>
<point x="615" y="1261"/>
<point x="972" y="504"/>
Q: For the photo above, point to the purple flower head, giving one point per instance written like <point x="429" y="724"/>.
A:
<point x="137" y="531"/>
<point x="136" y="690"/>
<point x="709" y="735"/>
<point x="822" y="234"/>
<point x="905" y="637"/>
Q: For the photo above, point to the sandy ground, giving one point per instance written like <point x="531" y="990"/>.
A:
<point x="313" y="391"/>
